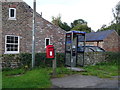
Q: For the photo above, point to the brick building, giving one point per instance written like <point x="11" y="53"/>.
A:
<point x="16" y="30"/>
<point x="108" y="40"/>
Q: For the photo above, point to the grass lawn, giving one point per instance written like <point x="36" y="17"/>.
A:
<point x="37" y="78"/>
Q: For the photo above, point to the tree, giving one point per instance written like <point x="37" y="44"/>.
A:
<point x="117" y="17"/>
<point x="117" y="12"/>
<point x="57" y="21"/>
<point x="76" y="22"/>
<point x="65" y="26"/>
<point x="80" y="25"/>
<point x="115" y="24"/>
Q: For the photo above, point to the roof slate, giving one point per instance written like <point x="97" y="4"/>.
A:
<point x="97" y="36"/>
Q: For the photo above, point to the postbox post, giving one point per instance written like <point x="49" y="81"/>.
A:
<point x="54" y="64"/>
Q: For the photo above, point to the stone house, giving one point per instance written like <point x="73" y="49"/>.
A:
<point x="16" y="30"/>
<point x="108" y="40"/>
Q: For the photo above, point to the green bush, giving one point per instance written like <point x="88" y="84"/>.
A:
<point x="42" y="61"/>
<point x="113" y="57"/>
<point x="24" y="60"/>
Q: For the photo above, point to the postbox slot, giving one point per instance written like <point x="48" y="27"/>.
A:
<point x="51" y="53"/>
<point x="50" y="47"/>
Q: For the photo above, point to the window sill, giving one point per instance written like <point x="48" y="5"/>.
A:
<point x="12" y="19"/>
<point x="11" y="53"/>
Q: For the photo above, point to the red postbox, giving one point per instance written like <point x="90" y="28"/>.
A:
<point x="50" y="51"/>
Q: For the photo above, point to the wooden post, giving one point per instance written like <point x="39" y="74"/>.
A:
<point x="54" y="64"/>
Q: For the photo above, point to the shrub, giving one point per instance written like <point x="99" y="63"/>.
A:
<point x="113" y="57"/>
<point x="23" y="60"/>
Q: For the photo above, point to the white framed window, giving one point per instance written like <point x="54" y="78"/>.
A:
<point x="12" y="44"/>
<point x="12" y="13"/>
<point x="47" y="41"/>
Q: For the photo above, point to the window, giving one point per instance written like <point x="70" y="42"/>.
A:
<point x="12" y="13"/>
<point x="47" y="41"/>
<point x="11" y="44"/>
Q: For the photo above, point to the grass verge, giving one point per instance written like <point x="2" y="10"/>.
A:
<point x="102" y="70"/>
<point x="37" y="78"/>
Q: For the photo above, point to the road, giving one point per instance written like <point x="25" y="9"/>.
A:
<point x="82" y="81"/>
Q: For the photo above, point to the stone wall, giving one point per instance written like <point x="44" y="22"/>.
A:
<point x="22" y="27"/>
<point x="11" y="61"/>
<point x="91" y="58"/>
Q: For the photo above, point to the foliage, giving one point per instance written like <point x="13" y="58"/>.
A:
<point x="84" y="28"/>
<point x="113" y="58"/>
<point x="60" y="59"/>
<point x="80" y="25"/>
<point x="117" y="13"/>
<point x="42" y="61"/>
<point x="103" y="70"/>
<point x="37" y="78"/>
<point x="24" y="60"/>
<point x="114" y="26"/>
<point x="78" y="22"/>
<point x="57" y="21"/>
<point x="65" y="26"/>
<point x="11" y="72"/>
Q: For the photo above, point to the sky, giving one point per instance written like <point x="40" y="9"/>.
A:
<point x="95" y="12"/>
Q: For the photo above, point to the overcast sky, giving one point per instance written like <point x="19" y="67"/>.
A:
<point x="95" y="12"/>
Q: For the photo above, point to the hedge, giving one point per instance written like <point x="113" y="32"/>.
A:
<point x="113" y="57"/>
<point x="25" y="59"/>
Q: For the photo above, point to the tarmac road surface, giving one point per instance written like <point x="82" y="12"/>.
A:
<point x="82" y="81"/>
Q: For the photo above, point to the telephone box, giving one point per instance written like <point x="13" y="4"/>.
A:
<point x="73" y="57"/>
<point x="50" y="51"/>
